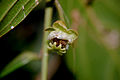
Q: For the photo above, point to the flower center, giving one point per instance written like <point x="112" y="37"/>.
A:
<point x="60" y="41"/>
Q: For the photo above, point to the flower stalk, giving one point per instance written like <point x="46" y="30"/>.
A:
<point x="47" y="23"/>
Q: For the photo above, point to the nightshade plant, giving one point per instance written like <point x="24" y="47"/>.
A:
<point x="60" y="37"/>
<point x="94" y="57"/>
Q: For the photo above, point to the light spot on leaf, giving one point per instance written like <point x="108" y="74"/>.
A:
<point x="37" y="2"/>
<point x="12" y="27"/>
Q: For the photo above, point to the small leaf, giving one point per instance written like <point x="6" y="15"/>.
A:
<point x="18" y="62"/>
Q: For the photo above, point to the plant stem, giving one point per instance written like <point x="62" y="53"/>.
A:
<point x="60" y="11"/>
<point x="47" y="23"/>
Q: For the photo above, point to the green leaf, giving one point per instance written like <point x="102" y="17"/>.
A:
<point x="18" y="62"/>
<point x="90" y="58"/>
<point x="16" y="14"/>
<point x="5" y="6"/>
<point x="109" y="12"/>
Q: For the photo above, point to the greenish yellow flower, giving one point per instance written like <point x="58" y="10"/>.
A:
<point x="60" y="37"/>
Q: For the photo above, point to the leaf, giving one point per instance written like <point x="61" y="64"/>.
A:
<point x="16" y="14"/>
<point x="108" y="12"/>
<point x="18" y="62"/>
<point x="5" y="6"/>
<point x="89" y="58"/>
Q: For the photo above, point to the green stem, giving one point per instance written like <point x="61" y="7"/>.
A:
<point x="47" y="23"/>
<point x="60" y="11"/>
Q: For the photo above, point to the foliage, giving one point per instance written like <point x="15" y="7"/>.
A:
<point x="19" y="61"/>
<point x="13" y="15"/>
<point x="94" y="55"/>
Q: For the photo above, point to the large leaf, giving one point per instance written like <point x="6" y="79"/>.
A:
<point x="21" y="60"/>
<point x="14" y="15"/>
<point x="90" y="58"/>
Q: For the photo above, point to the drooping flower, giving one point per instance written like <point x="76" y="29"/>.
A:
<point x="60" y="37"/>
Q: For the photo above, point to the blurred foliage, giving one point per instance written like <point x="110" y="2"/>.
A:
<point x="21" y="60"/>
<point x="25" y="37"/>
<point x="94" y="55"/>
<point x="96" y="52"/>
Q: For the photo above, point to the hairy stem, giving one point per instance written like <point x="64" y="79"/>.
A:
<point x="47" y="23"/>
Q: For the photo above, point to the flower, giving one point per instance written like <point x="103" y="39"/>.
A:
<point x="60" y="37"/>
